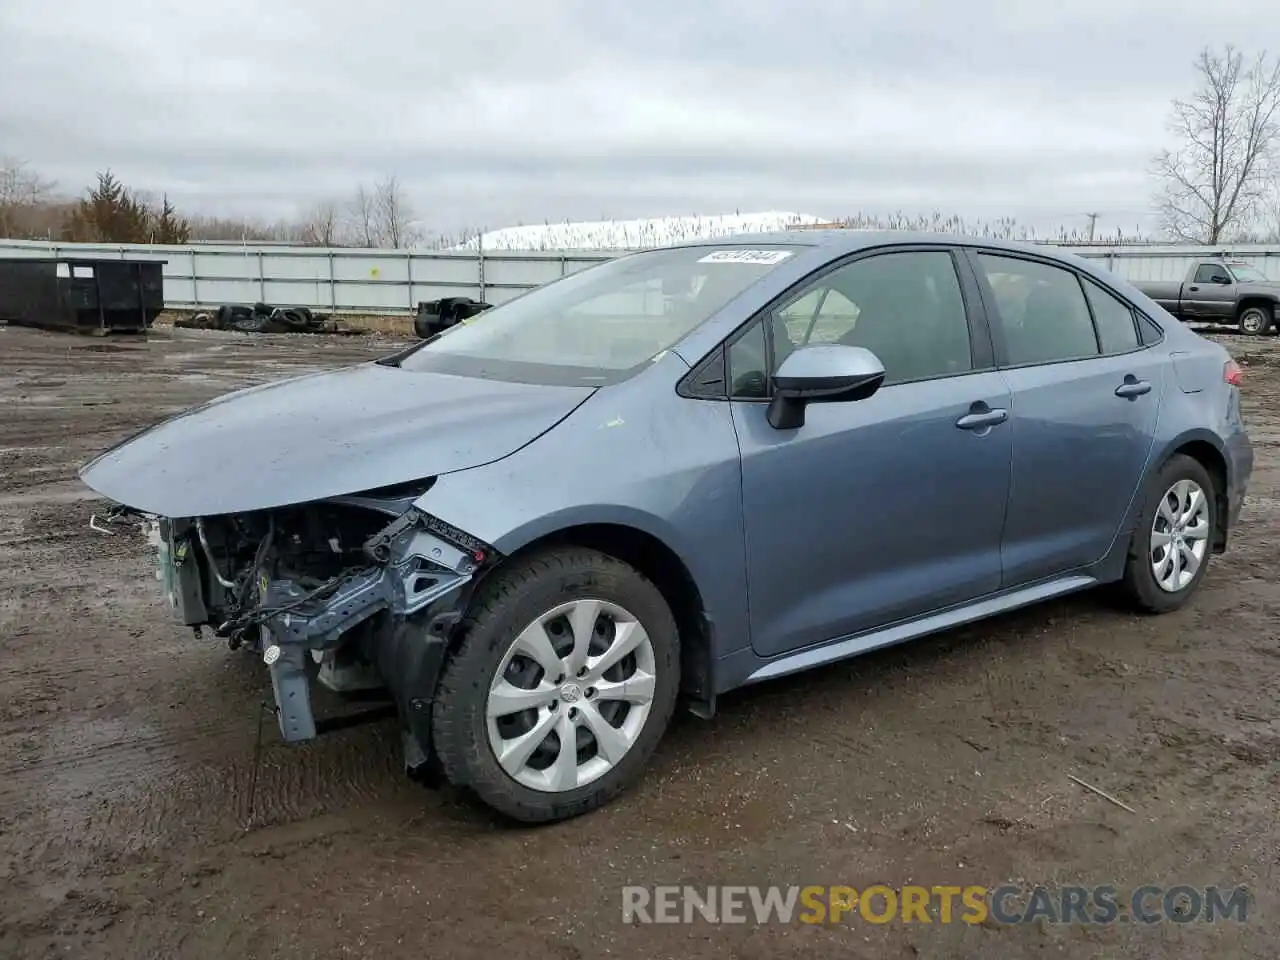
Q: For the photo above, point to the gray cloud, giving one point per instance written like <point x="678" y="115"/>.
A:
<point x="502" y="111"/>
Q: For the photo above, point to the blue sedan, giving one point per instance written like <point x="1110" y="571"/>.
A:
<point x="682" y="471"/>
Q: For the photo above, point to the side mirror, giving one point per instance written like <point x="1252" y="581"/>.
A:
<point x="822" y="373"/>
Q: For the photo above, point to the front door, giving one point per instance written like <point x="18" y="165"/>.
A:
<point x="1212" y="293"/>
<point x="880" y="509"/>
<point x="1086" y="397"/>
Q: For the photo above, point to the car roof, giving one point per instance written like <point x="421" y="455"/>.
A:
<point x="839" y="241"/>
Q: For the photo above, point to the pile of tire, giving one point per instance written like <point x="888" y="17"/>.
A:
<point x="259" y="318"/>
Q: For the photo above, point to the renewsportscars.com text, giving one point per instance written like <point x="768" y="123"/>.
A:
<point x="971" y="904"/>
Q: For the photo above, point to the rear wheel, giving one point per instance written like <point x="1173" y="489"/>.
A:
<point x="1173" y="542"/>
<point x="564" y="682"/>
<point x="1254" y="321"/>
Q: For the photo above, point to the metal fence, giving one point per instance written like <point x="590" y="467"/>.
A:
<point x="344" y="280"/>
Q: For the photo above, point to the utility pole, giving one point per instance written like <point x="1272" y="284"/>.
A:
<point x="1093" y="220"/>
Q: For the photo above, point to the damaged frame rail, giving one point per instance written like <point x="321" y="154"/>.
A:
<point x="417" y="566"/>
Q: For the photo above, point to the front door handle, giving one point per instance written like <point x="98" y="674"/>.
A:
<point x="1193" y="289"/>
<point x="981" y="419"/>
<point x="1133" y="387"/>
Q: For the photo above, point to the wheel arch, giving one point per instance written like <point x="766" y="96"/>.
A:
<point x="645" y="547"/>
<point x="1266" y="304"/>
<point x="1206" y="449"/>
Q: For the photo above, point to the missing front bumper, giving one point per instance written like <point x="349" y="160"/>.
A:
<point x="398" y="612"/>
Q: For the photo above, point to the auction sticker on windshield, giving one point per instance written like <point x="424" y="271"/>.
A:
<point x="764" y="257"/>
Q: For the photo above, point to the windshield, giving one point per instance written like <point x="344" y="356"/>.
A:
<point x="1247" y="274"/>
<point x="602" y="324"/>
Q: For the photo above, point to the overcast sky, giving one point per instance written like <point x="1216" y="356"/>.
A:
<point x="501" y="111"/>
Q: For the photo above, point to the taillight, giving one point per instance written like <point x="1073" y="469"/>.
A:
<point x="1232" y="373"/>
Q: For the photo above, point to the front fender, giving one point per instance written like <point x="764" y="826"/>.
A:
<point x="636" y="455"/>
<point x="590" y="514"/>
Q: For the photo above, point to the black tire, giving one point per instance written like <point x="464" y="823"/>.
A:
<point x="427" y="325"/>
<point x="508" y="602"/>
<point x="294" y="320"/>
<point x="1139" y="582"/>
<point x="1254" y="321"/>
<point x="223" y="317"/>
<point x="251" y="323"/>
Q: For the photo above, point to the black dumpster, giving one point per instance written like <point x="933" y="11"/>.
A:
<point x="82" y="295"/>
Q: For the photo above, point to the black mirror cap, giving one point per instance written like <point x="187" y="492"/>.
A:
<point x="791" y="396"/>
<point x="829" y="389"/>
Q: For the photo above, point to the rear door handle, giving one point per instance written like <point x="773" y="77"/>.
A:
<point x="982" y="419"/>
<point x="1133" y="388"/>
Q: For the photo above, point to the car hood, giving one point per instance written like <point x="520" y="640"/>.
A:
<point x="324" y="435"/>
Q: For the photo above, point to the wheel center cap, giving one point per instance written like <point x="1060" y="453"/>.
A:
<point x="571" y="693"/>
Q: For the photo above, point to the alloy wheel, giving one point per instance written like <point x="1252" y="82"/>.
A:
<point x="571" y="695"/>
<point x="1252" y="321"/>
<point x="1180" y="535"/>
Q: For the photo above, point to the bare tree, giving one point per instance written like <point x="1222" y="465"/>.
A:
<point x="22" y="193"/>
<point x="1229" y="135"/>
<point x="393" y="213"/>
<point x="362" y="214"/>
<point x="319" y="227"/>
<point x="225" y="229"/>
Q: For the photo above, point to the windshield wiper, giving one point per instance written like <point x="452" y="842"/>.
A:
<point x="397" y="358"/>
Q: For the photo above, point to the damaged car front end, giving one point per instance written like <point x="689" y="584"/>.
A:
<point x="358" y="593"/>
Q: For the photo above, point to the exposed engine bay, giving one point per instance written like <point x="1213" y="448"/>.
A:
<point x="358" y="593"/>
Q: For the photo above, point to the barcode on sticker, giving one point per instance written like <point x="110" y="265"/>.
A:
<point x="763" y="257"/>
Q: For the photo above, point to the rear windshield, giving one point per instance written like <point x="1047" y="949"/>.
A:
<point x="602" y="324"/>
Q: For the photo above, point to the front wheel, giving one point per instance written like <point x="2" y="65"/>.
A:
<point x="564" y="682"/>
<point x="1254" y="321"/>
<point x="1174" y="539"/>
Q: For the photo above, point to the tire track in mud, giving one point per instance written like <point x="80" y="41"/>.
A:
<point x="126" y="785"/>
<point x="174" y="750"/>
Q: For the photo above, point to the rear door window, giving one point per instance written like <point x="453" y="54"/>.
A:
<point x="1041" y="311"/>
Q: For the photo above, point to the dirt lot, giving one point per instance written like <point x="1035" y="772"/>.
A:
<point x="126" y="750"/>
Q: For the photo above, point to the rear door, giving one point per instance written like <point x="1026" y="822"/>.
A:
<point x="1086" y="398"/>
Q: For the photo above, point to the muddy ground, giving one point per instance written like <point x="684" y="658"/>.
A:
<point x="126" y="750"/>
